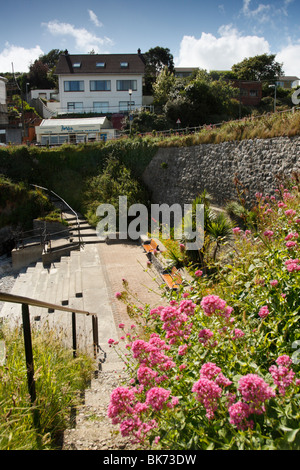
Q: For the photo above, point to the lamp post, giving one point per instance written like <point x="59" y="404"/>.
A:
<point x="275" y="88"/>
<point x="130" y="93"/>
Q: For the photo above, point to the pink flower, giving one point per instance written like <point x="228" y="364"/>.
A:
<point x="268" y="233"/>
<point x="211" y="304"/>
<point x="208" y="394"/>
<point x="118" y="295"/>
<point x="121" y="325"/>
<point x="111" y="341"/>
<point x="236" y="230"/>
<point x="274" y="283"/>
<point x="290" y="244"/>
<point x="290" y="212"/>
<point x="264" y="312"/>
<point x="291" y="235"/>
<point x="204" y="335"/>
<point x="198" y="273"/>
<point x="239" y="412"/>
<point x="238" y="333"/>
<point x="292" y="265"/>
<point x="157" y="397"/>
<point x="255" y="391"/>
<point x="283" y="377"/>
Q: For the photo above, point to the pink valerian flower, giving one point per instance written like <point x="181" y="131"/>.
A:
<point x="292" y="265"/>
<point x="236" y="230"/>
<point x="282" y="375"/>
<point x="213" y="372"/>
<point x="255" y="391"/>
<point x="150" y="354"/>
<point x="157" y="397"/>
<point x="292" y="235"/>
<point x="212" y="304"/>
<point x="238" y="334"/>
<point x="208" y="394"/>
<point x="198" y="273"/>
<point x="204" y="335"/>
<point x="291" y="244"/>
<point x="118" y="295"/>
<point x="182" y="350"/>
<point x="290" y="213"/>
<point x="239" y="413"/>
<point x="274" y="282"/>
<point x="146" y="375"/>
<point x="268" y="233"/>
<point x="264" y="311"/>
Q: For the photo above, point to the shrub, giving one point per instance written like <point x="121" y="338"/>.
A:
<point x="218" y="367"/>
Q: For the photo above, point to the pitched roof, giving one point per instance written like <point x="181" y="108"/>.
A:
<point x="107" y="64"/>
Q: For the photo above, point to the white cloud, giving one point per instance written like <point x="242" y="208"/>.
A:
<point x="260" y="14"/>
<point x="84" y="40"/>
<point x="20" y="57"/>
<point x="94" y="19"/>
<point x="219" y="53"/>
<point x="289" y="56"/>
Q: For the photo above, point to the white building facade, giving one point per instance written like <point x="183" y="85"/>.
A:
<point x="107" y="84"/>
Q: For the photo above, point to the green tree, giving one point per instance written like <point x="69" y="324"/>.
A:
<point x="163" y="86"/>
<point x="156" y="59"/>
<point x="260" y="68"/>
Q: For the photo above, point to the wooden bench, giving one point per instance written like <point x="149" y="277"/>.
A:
<point x="150" y="246"/>
<point x="172" y="278"/>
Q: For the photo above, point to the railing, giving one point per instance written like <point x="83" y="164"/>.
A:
<point x="25" y="302"/>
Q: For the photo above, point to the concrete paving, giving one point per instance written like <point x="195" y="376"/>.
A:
<point x="87" y="279"/>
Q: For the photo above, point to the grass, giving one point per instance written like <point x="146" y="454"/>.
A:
<point x="59" y="380"/>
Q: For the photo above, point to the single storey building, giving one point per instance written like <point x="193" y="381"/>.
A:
<point x="73" y="131"/>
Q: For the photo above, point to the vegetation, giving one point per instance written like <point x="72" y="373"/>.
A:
<point x="218" y="367"/>
<point x="59" y="379"/>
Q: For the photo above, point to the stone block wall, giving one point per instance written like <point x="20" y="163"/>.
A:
<point x="178" y="175"/>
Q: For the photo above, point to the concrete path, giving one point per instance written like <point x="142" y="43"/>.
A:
<point x="87" y="279"/>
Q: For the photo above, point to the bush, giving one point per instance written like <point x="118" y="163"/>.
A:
<point x="218" y="367"/>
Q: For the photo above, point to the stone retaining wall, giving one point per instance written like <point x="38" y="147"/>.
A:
<point x="178" y="175"/>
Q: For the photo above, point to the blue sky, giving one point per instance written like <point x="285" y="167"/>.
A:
<point x="211" y="34"/>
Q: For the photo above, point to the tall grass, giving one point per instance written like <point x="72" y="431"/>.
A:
<point x="59" y="379"/>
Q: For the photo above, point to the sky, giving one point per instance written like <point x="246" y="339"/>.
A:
<point x="210" y="34"/>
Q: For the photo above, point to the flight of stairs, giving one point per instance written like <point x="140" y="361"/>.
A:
<point x="77" y="281"/>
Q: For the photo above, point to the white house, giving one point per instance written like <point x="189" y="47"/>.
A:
<point x="3" y="110"/>
<point x="101" y="83"/>
<point x="60" y="131"/>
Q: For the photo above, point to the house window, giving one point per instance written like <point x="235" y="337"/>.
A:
<point x="101" y="107"/>
<point x="126" y="106"/>
<point x="74" y="85"/>
<point x="100" y="64"/>
<point x="75" y="107"/>
<point x="125" y="85"/>
<point x="77" y="65"/>
<point x="124" y="65"/>
<point x="100" y="85"/>
<point x="253" y="93"/>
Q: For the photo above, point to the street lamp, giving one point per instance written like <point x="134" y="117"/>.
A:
<point x="275" y="88"/>
<point x="130" y="93"/>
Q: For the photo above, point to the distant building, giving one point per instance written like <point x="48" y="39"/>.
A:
<point x="3" y="110"/>
<point x="250" y="92"/>
<point x="288" y="82"/>
<point x="100" y="83"/>
<point x="59" y="131"/>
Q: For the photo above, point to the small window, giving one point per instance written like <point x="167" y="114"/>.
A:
<point x="124" y="65"/>
<point x="100" y="64"/>
<point x="77" y="65"/>
<point x="253" y="93"/>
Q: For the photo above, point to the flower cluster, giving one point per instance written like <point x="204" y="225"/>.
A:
<point x="208" y="389"/>
<point x="292" y="265"/>
<point x="150" y="354"/>
<point x="282" y="375"/>
<point x="254" y="392"/>
<point x="212" y="304"/>
<point x="175" y="319"/>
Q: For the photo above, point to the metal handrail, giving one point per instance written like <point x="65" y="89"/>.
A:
<point x="25" y="302"/>
<point x="69" y="207"/>
<point x="17" y="299"/>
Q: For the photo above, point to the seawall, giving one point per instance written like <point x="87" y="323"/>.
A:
<point x="179" y="174"/>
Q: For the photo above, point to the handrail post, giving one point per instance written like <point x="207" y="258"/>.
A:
<point x="95" y="334"/>
<point x="29" y="360"/>
<point x="74" y="334"/>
